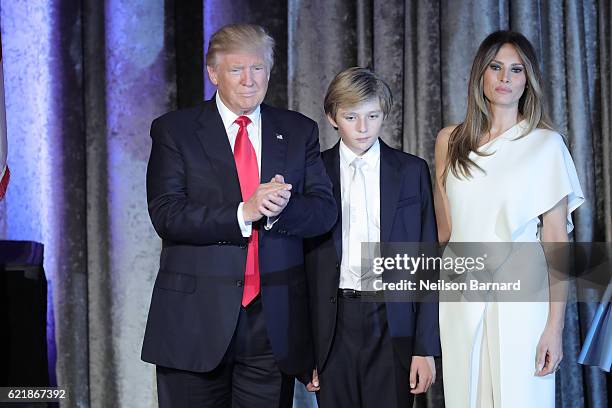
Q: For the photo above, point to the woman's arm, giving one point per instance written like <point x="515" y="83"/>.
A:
<point x="554" y="237"/>
<point x="440" y="199"/>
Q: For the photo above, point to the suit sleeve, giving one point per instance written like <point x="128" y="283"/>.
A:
<point x="174" y="215"/>
<point x="313" y="212"/>
<point x="427" y="338"/>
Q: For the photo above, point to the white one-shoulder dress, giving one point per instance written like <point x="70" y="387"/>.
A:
<point x="489" y="348"/>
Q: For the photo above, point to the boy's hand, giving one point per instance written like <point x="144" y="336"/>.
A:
<point x="313" y="385"/>
<point x="423" y="369"/>
<point x="310" y="380"/>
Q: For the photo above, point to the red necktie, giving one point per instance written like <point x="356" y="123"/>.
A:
<point x="248" y="175"/>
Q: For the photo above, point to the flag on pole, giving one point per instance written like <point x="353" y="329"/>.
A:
<point x="5" y="174"/>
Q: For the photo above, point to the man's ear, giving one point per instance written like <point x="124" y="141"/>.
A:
<point x="212" y="75"/>
<point x="332" y="121"/>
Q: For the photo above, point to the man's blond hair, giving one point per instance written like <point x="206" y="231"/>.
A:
<point x="240" y="37"/>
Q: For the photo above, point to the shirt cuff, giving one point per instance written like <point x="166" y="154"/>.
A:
<point x="270" y="222"/>
<point x="245" y="226"/>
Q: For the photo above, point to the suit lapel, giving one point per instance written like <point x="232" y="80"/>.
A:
<point x="332" y="163"/>
<point x="213" y="137"/>
<point x="390" y="186"/>
<point x="273" y="146"/>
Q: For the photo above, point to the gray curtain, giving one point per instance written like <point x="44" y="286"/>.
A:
<point x="84" y="79"/>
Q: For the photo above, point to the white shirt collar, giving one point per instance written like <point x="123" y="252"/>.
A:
<point x="371" y="157"/>
<point x="228" y="117"/>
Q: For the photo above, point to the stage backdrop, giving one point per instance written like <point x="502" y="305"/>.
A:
<point x="84" y="79"/>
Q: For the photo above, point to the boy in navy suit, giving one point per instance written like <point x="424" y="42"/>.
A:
<point x="369" y="352"/>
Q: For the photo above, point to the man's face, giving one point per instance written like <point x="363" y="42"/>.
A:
<point x="241" y="78"/>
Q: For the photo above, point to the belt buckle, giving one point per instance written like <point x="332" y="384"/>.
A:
<point x="354" y="294"/>
<point x="350" y="293"/>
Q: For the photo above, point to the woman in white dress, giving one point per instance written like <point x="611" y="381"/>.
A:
<point x="503" y="175"/>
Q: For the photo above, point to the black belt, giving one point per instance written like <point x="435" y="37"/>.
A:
<point x="356" y="294"/>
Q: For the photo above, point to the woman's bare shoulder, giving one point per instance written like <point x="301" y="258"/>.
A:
<point x="444" y="136"/>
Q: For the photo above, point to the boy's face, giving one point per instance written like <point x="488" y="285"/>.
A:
<point x="359" y="126"/>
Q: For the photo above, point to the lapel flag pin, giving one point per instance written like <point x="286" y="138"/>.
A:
<point x="279" y="136"/>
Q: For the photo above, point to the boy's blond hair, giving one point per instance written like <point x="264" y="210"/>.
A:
<point x="356" y="85"/>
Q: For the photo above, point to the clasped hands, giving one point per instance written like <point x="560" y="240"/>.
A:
<point x="269" y="200"/>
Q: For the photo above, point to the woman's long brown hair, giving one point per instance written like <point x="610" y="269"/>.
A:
<point x="466" y="136"/>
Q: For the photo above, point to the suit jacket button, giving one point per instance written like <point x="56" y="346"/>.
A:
<point x="337" y="266"/>
<point x="243" y="246"/>
<point x="239" y="283"/>
<point x="332" y="299"/>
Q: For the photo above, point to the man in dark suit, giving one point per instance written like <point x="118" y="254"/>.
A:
<point x="233" y="187"/>
<point x="371" y="350"/>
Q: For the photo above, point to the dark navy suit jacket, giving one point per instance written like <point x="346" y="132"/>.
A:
<point x="406" y="215"/>
<point x="193" y="194"/>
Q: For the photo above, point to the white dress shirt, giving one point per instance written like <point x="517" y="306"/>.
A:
<point x="350" y="277"/>
<point x="254" y="129"/>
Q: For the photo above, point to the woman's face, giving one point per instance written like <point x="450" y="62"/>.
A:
<point x="504" y="79"/>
